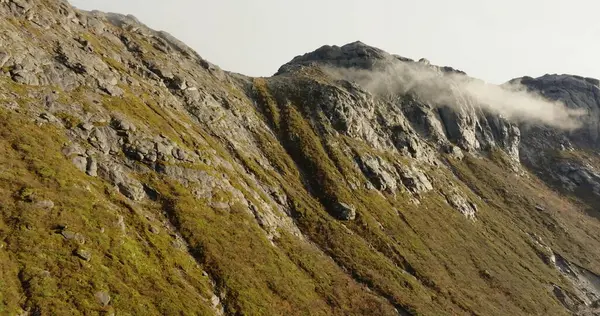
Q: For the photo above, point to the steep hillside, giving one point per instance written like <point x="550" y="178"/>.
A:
<point x="138" y="178"/>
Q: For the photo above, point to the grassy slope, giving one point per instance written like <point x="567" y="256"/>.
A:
<point x="488" y="267"/>
<point x="140" y="270"/>
<point x="425" y="259"/>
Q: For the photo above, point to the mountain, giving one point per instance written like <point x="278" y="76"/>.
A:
<point x="138" y="178"/>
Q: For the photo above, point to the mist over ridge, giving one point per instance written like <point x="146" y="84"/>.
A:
<point x="431" y="84"/>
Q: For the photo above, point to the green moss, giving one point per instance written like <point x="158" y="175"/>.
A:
<point x="430" y="250"/>
<point x="20" y="90"/>
<point x="92" y="40"/>
<point x="6" y="69"/>
<point x="69" y="120"/>
<point x="307" y="149"/>
<point x="145" y="111"/>
<point x="232" y="246"/>
<point x="22" y="24"/>
<point x="26" y="194"/>
<point x="139" y="269"/>
<point x="115" y="64"/>
<point x="268" y="103"/>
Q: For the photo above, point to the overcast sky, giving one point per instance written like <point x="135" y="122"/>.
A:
<point x="492" y="40"/>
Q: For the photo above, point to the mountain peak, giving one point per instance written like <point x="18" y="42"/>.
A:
<point x="356" y="55"/>
<point x="352" y="55"/>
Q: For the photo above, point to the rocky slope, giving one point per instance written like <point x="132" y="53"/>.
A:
<point x="138" y="178"/>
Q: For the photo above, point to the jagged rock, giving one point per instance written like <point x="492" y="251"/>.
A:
<point x="121" y="124"/>
<point x="179" y="83"/>
<point x="564" y="298"/>
<point x="543" y="250"/>
<point x="80" y="162"/>
<point x="220" y="205"/>
<point x="585" y="283"/>
<point x="92" y="167"/>
<point x="215" y="301"/>
<point x="49" y="117"/>
<point x="99" y="138"/>
<point x="121" y="223"/>
<point x="461" y="127"/>
<point x="455" y="152"/>
<point x="103" y="298"/>
<point x="179" y="154"/>
<point x="460" y="203"/>
<point x="45" y="204"/>
<point x="96" y="25"/>
<point x="25" y="77"/>
<point x="4" y="57"/>
<point x="112" y="90"/>
<point x="409" y="143"/>
<point x="355" y="54"/>
<point x="159" y="69"/>
<point x="573" y="176"/>
<point x="70" y="235"/>
<point x="380" y="172"/>
<point x="507" y="134"/>
<point x="87" y="126"/>
<point x="132" y="189"/>
<point x="113" y="173"/>
<point x="83" y="254"/>
<point x="163" y="150"/>
<point x="141" y="150"/>
<point x="151" y="157"/>
<point x="577" y="93"/>
<point x="414" y="180"/>
<point x="24" y="4"/>
<point x="73" y="150"/>
<point x="344" y="211"/>
<point x="424" y="124"/>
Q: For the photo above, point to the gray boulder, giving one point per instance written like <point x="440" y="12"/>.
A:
<point x="102" y="297"/>
<point x="83" y="254"/>
<point x="381" y="173"/>
<point x="70" y="235"/>
<point x="461" y="204"/>
<point x="344" y="211"/>
<point x="80" y="163"/>
<point x="414" y="179"/>
<point x="45" y="204"/>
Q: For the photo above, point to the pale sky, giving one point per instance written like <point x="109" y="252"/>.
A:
<point x="491" y="40"/>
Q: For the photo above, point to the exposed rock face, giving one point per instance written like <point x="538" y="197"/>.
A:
<point x="577" y="93"/>
<point x="468" y="209"/>
<point x="587" y="284"/>
<point x="566" y="158"/>
<point x="585" y="298"/>
<point x="574" y="176"/>
<point x="415" y="180"/>
<point x="138" y="178"/>
<point x="381" y="173"/>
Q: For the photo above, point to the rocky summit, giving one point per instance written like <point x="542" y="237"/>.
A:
<point x="137" y="178"/>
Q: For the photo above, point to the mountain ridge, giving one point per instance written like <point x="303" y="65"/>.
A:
<point x="137" y="177"/>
